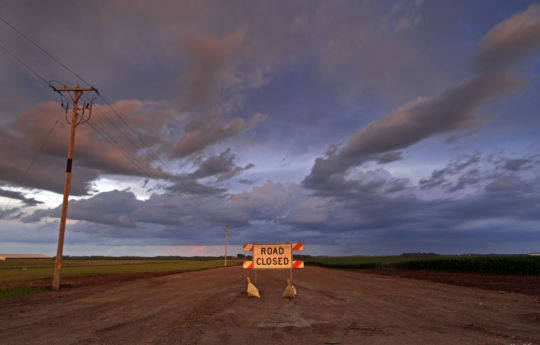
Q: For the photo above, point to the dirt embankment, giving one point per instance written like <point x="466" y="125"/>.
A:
<point x="211" y="307"/>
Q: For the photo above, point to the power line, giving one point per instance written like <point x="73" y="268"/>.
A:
<point x="113" y="142"/>
<point x="143" y="144"/>
<point x="40" y="150"/>
<point x="75" y="94"/>
<point x="33" y="161"/>
<point x="20" y="61"/>
<point x="60" y="63"/>
<point x="101" y="131"/>
<point x="109" y="119"/>
<point x="43" y="50"/>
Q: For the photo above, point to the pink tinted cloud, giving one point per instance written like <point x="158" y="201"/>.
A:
<point x="211" y="61"/>
<point x="202" y="132"/>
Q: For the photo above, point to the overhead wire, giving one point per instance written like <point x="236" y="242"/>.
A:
<point x="118" y="115"/>
<point x="108" y="138"/>
<point x="121" y="149"/>
<point x="25" y="65"/>
<point x="109" y="120"/>
<point x="35" y="158"/>
<point x="40" y="149"/>
<point x="144" y="145"/>
<point x="43" y="50"/>
<point x="99" y="129"/>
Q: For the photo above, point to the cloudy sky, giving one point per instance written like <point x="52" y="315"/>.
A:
<point x="355" y="127"/>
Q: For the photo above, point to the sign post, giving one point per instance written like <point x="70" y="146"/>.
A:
<point x="290" y="244"/>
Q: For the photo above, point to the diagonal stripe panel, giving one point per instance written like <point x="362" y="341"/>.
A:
<point x="298" y="246"/>
<point x="298" y="264"/>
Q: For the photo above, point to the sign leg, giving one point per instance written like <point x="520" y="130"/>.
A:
<point x="292" y="260"/>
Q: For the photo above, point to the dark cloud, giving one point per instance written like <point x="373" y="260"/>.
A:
<point x="517" y="164"/>
<point x="188" y="185"/>
<point x="108" y="146"/>
<point x="19" y="196"/>
<point x="410" y="124"/>
<point x="219" y="167"/>
<point x="123" y="151"/>
<point x="510" y="41"/>
<point x="215" y="165"/>
<point x="112" y="208"/>
<point x="423" y="118"/>
<point x="222" y="167"/>
<point x="476" y="171"/>
<point x="115" y="208"/>
<point x="207" y="130"/>
<point x="210" y="64"/>
<point x="218" y="63"/>
<point x="389" y="157"/>
<point x="382" y="207"/>
<point x="440" y="178"/>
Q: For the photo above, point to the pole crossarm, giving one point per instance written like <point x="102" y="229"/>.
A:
<point x="75" y="89"/>
<point x="74" y="92"/>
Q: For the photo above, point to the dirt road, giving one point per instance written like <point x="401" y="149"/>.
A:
<point x="211" y="307"/>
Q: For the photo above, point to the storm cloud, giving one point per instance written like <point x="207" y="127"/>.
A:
<point x="269" y="211"/>
<point x="207" y="130"/>
<point x="354" y="127"/>
<point x="455" y="109"/>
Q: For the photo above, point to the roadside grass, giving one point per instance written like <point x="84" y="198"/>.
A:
<point x="499" y="264"/>
<point x="358" y="262"/>
<point x="16" y="276"/>
<point x="21" y="290"/>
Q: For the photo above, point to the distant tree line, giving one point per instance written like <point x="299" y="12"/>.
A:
<point x="250" y="257"/>
<point x="171" y="257"/>
<point x="420" y="254"/>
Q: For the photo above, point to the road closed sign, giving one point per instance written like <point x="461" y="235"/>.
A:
<point x="272" y="256"/>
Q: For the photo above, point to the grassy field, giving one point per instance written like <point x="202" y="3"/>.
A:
<point x="16" y="275"/>
<point x="501" y="264"/>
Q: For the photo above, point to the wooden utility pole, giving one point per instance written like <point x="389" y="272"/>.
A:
<point x="226" y="231"/>
<point x="76" y="119"/>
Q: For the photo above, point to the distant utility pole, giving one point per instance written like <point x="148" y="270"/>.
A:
<point x="78" y="116"/>
<point x="226" y="231"/>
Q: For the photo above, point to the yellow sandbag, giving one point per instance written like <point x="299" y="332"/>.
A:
<point x="252" y="290"/>
<point x="290" y="290"/>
